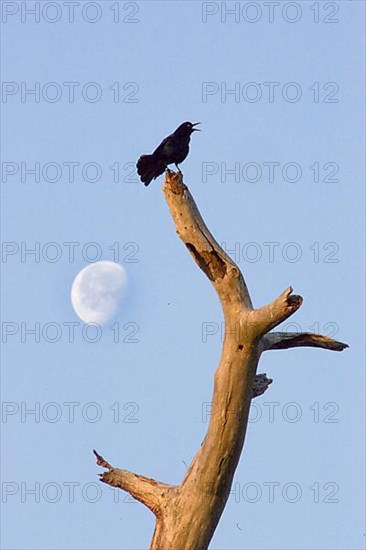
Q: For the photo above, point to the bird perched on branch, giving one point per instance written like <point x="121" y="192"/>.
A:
<point x="172" y="150"/>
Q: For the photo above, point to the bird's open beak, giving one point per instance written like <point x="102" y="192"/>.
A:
<point x="196" y="129"/>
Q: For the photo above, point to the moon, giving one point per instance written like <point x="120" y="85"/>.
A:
<point x="97" y="292"/>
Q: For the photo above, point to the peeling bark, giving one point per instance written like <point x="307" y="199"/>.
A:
<point x="187" y="515"/>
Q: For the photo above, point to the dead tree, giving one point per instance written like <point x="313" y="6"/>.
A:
<point x="187" y="514"/>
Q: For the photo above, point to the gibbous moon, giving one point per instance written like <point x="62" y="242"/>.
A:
<point x="97" y="291"/>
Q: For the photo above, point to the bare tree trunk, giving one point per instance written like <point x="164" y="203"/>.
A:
<point x="187" y="515"/>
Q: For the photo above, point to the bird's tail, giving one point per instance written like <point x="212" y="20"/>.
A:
<point x="149" y="168"/>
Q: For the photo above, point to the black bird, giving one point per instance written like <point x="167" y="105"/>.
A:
<point x="172" y="150"/>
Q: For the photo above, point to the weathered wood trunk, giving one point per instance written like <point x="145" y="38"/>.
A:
<point x="187" y="515"/>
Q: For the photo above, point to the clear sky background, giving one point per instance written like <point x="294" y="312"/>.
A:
<point x="297" y="73"/>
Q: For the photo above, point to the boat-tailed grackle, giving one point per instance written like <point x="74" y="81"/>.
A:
<point x="172" y="150"/>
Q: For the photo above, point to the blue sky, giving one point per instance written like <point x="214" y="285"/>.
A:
<point x="277" y="91"/>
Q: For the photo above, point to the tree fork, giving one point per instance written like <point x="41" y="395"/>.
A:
<point x="187" y="515"/>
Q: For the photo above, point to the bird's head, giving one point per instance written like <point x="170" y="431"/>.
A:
<point x="188" y="127"/>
